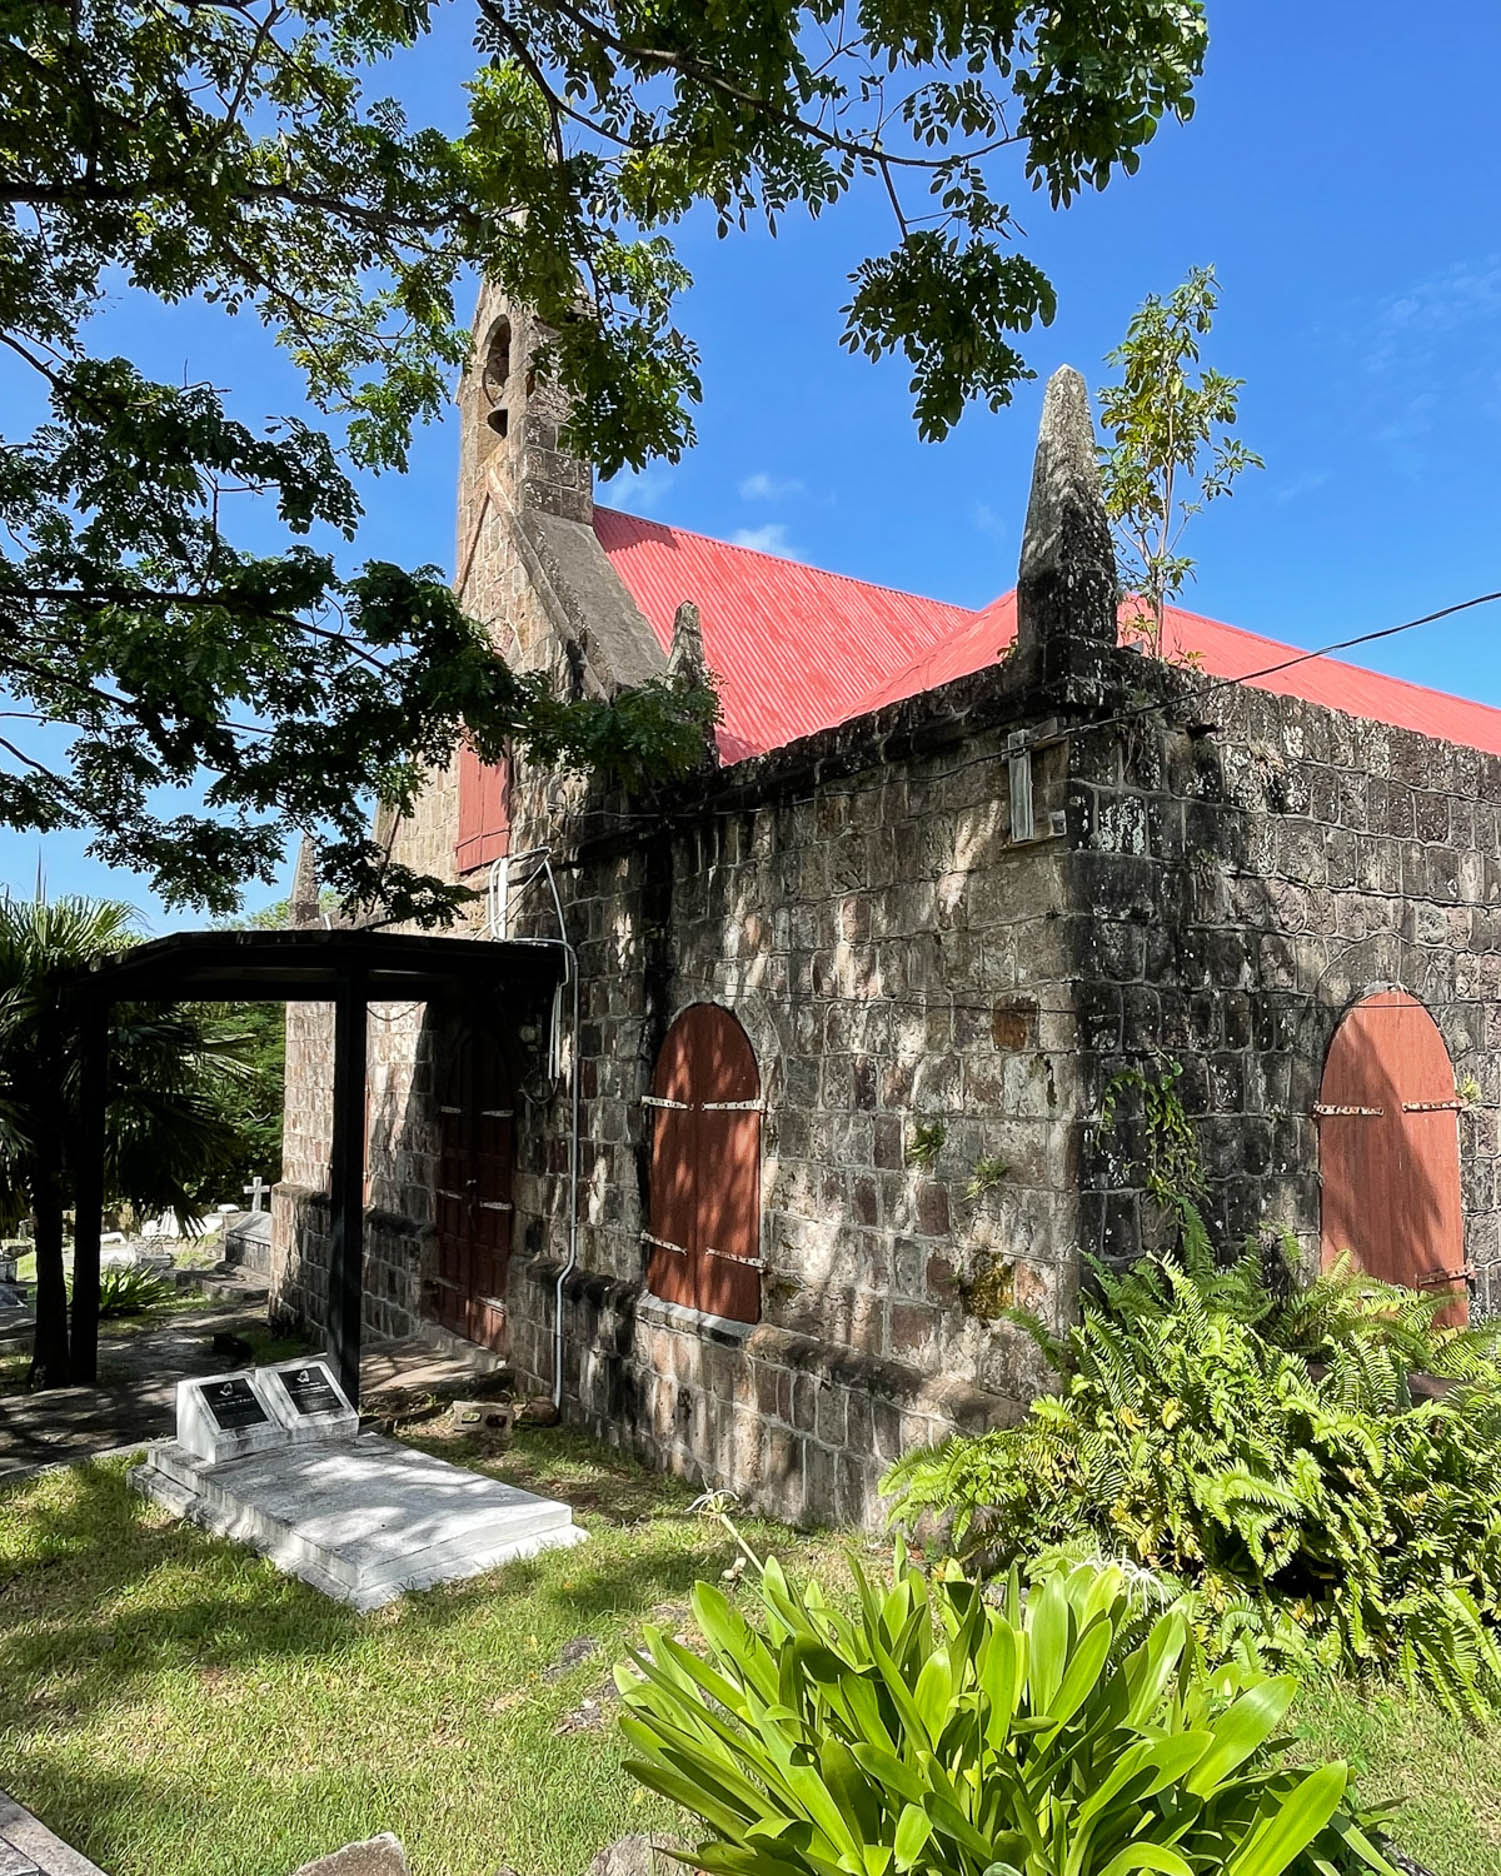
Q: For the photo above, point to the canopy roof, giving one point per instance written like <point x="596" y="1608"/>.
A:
<point x="350" y="970"/>
<point x="313" y="966"/>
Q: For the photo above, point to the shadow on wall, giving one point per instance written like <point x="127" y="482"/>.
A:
<point x="1210" y="938"/>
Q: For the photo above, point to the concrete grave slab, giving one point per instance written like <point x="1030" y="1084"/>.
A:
<point x="28" y="1848"/>
<point x="362" y="1520"/>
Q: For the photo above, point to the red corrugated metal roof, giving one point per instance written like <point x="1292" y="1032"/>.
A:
<point x="793" y="649"/>
<point x="796" y="650"/>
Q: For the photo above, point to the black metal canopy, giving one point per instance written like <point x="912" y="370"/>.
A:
<point x="350" y="970"/>
<point x="311" y="966"/>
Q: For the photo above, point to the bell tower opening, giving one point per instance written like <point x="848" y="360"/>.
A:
<point x="495" y="376"/>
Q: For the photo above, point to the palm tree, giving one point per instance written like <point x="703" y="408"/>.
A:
<point x="167" y="1138"/>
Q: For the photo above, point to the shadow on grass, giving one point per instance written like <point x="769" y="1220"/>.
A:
<point x="99" y="1595"/>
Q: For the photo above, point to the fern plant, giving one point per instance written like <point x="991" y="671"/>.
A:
<point x="1305" y="1516"/>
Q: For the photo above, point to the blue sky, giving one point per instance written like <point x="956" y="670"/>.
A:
<point x="1351" y="214"/>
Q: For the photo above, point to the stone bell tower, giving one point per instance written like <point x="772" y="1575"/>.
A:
<point x="529" y="564"/>
<point x="511" y="421"/>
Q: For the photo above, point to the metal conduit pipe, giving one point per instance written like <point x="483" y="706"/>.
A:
<point x="498" y="925"/>
<point x="571" y="1264"/>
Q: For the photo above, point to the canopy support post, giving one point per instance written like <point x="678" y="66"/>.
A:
<point x="346" y="1259"/>
<point x="88" y="1187"/>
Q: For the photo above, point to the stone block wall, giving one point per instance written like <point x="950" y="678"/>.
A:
<point x="402" y="1167"/>
<point x="936" y="1008"/>
<point x="897" y="961"/>
<point x="793" y="1423"/>
<point x="1236" y="889"/>
<point x="396" y="1248"/>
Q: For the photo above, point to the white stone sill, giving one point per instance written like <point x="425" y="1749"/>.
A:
<point x="695" y="1322"/>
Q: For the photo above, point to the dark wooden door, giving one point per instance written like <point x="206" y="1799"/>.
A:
<point x="704" y="1239"/>
<point x="476" y="1161"/>
<point x="1388" y="1119"/>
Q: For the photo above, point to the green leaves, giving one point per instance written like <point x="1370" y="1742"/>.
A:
<point x="1163" y="424"/>
<point x="952" y="308"/>
<point x="232" y="153"/>
<point x="1321" y="1523"/>
<point x="1062" y="1741"/>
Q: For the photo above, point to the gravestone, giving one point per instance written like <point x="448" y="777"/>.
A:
<point x="227" y="1416"/>
<point x="247" y="1243"/>
<point x="137" y="1254"/>
<point x="274" y="1458"/>
<point x="310" y="1402"/>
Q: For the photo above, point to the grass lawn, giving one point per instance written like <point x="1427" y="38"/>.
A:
<point x="169" y="1703"/>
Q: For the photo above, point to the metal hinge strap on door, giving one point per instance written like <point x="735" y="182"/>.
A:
<point x="735" y="1257"/>
<point x="1430" y="1279"/>
<point x="731" y="1107"/>
<point x="661" y="1100"/>
<point x="1323" y="1112"/>
<point x="494" y="1205"/>
<point x="665" y="1244"/>
<point x="497" y="1113"/>
<point x="1432" y="1107"/>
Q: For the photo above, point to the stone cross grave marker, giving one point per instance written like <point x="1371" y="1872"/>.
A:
<point x="255" y="1192"/>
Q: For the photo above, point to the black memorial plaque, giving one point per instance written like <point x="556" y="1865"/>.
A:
<point x="310" y="1390"/>
<point x="233" y="1404"/>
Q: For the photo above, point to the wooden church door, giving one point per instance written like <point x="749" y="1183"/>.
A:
<point x="704" y="1241"/>
<point x="1388" y="1119"/>
<point x="476" y="1162"/>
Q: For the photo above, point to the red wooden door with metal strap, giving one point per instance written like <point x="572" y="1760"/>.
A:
<point x="1388" y="1119"/>
<point x="704" y="1238"/>
<point x="474" y="1212"/>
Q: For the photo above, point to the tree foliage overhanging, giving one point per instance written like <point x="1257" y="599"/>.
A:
<point x="230" y="151"/>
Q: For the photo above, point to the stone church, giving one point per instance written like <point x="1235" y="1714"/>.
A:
<point x="824" y="1089"/>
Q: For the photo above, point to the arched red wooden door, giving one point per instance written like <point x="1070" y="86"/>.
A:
<point x="1388" y="1120"/>
<point x="704" y="1238"/>
<point x="473" y="1209"/>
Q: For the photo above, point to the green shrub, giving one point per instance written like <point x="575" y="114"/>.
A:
<point x="1315" y="1521"/>
<point x="126" y="1290"/>
<point x="935" y="1731"/>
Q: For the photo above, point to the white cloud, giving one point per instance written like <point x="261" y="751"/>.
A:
<point x="1300" y="486"/>
<point x="1407" y="324"/>
<point x="635" y="492"/>
<point x="988" y="521"/>
<point x="762" y="487"/>
<point x="770" y="539"/>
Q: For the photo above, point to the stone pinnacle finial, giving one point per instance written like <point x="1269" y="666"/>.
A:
<point x="1066" y="585"/>
<point x="305" y="887"/>
<point x="686" y="659"/>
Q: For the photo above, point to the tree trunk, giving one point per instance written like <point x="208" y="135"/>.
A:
<point x="49" y="1357"/>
